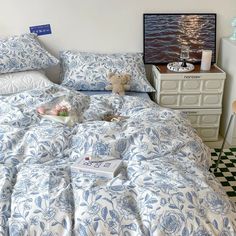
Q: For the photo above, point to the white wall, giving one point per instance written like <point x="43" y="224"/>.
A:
<point x="228" y="62"/>
<point x="101" y="25"/>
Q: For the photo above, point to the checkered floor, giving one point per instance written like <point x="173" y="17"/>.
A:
<point x="226" y="172"/>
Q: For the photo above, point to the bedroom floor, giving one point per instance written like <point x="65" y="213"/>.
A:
<point x="226" y="173"/>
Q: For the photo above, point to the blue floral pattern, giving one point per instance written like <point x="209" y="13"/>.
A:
<point x="164" y="186"/>
<point x="24" y="52"/>
<point x="89" y="71"/>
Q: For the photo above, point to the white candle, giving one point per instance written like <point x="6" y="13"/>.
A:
<point x="206" y="59"/>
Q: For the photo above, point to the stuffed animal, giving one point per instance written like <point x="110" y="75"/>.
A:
<point x="119" y="83"/>
<point x="113" y="117"/>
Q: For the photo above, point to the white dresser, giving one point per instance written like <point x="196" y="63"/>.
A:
<point x="198" y="94"/>
<point x="228" y="63"/>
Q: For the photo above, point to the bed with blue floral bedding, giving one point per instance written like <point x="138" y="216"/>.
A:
<point x="163" y="188"/>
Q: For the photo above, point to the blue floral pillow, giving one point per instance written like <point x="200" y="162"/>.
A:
<point x="88" y="71"/>
<point x="24" y="52"/>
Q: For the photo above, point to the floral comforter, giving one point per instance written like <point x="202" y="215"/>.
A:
<point x="163" y="188"/>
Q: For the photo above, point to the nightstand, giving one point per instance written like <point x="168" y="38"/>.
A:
<point x="197" y="93"/>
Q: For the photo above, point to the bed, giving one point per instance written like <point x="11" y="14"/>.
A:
<point x="164" y="186"/>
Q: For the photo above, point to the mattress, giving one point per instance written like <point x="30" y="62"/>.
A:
<point x="134" y="94"/>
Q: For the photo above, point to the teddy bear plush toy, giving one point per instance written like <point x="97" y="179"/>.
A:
<point x="118" y="83"/>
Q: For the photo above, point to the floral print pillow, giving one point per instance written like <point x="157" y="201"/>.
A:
<point x="22" y="53"/>
<point x="88" y="71"/>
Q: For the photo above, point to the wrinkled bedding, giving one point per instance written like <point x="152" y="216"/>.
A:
<point x="163" y="188"/>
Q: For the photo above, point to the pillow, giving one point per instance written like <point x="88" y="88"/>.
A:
<point x="21" y="53"/>
<point x="22" y="81"/>
<point x="89" y="71"/>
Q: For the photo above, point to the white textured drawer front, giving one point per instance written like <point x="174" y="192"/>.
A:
<point x="191" y="85"/>
<point x="169" y="100"/>
<point x="193" y="119"/>
<point x="200" y="118"/>
<point x="208" y="134"/>
<point x="210" y="119"/>
<point x="169" y="86"/>
<point x="212" y="100"/>
<point x="213" y="86"/>
<point x="190" y="100"/>
<point x="205" y="121"/>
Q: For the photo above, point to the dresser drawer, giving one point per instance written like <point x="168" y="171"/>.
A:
<point x="189" y="100"/>
<point x="203" y="117"/>
<point x="205" y="121"/>
<point x="208" y="134"/>
<point x="191" y="86"/>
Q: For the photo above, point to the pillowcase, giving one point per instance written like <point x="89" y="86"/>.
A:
<point x="22" y="81"/>
<point x="24" y="52"/>
<point x="89" y="71"/>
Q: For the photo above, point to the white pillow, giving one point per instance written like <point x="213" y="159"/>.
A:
<point x="21" y="81"/>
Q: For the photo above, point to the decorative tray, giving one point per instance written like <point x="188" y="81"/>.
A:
<point x="176" y="67"/>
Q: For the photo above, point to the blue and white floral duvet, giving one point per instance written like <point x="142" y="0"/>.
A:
<point x="164" y="187"/>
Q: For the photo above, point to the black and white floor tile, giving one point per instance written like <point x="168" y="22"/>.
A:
<point x="226" y="172"/>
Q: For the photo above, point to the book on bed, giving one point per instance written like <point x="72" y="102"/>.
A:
<point x="108" y="169"/>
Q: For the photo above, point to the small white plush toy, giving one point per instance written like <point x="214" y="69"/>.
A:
<point x="118" y="83"/>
